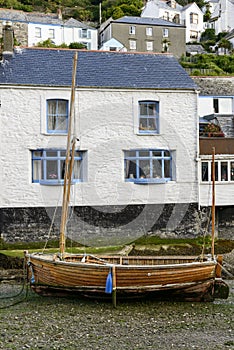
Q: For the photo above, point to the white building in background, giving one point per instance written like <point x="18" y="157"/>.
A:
<point x="30" y="28"/>
<point x="190" y="15"/>
<point x="222" y="16"/>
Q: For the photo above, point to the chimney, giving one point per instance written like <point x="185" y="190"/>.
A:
<point x="8" y="38"/>
<point x="59" y="13"/>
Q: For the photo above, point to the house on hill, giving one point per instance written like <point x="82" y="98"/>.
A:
<point x="189" y="16"/>
<point x="30" y="28"/>
<point x="138" y="34"/>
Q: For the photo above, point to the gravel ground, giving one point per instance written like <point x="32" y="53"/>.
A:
<point x="61" y="323"/>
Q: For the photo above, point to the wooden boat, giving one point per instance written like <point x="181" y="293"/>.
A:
<point x="180" y="278"/>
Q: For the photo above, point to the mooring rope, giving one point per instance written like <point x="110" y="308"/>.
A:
<point x="25" y="284"/>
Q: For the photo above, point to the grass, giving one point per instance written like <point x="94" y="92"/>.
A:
<point x="17" y="249"/>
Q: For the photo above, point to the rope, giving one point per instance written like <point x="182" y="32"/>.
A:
<point x="25" y="284"/>
<point x="225" y="270"/>
<point x="51" y="225"/>
<point x="204" y="235"/>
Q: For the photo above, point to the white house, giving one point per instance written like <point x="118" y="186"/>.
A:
<point x="34" y="27"/>
<point x="222" y="19"/>
<point x="112" y="45"/>
<point x="135" y="161"/>
<point x="190" y="15"/>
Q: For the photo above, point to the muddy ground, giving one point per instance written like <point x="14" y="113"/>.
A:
<point x="29" y="321"/>
<point x="60" y="323"/>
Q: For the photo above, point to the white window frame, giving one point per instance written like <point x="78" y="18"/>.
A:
<point x="144" y="166"/>
<point x="193" y="34"/>
<point x="148" y="117"/>
<point x="194" y="18"/>
<point x="149" y="46"/>
<point x="59" y="118"/>
<point x="48" y="166"/>
<point x="51" y="33"/>
<point x="132" y="30"/>
<point x="165" y="32"/>
<point x="220" y="174"/>
<point x="132" y="44"/>
<point x="37" y="32"/>
<point x="149" y="31"/>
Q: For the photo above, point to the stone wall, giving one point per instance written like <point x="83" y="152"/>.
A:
<point x="20" y="32"/>
<point x="120" y="225"/>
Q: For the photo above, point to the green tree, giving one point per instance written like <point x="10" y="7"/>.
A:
<point x="225" y="44"/>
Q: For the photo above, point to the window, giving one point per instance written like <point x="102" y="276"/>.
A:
<point x="194" y="18"/>
<point x="51" y="33"/>
<point x="149" y="46"/>
<point x="148" y="117"/>
<point x="57" y="116"/>
<point x="85" y="33"/>
<point x="48" y="166"/>
<point x="149" y="31"/>
<point x="224" y="170"/>
<point x="132" y="44"/>
<point x="216" y="105"/>
<point x="38" y="32"/>
<point x="166" y="16"/>
<point x="132" y="30"/>
<point x="148" y="166"/>
<point x="193" y="34"/>
<point x="165" y="32"/>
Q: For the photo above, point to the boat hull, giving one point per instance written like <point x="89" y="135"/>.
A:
<point x="179" y="278"/>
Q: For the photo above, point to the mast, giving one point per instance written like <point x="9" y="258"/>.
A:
<point x="68" y="163"/>
<point x="213" y="202"/>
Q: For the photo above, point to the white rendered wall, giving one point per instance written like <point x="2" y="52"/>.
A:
<point x="106" y="124"/>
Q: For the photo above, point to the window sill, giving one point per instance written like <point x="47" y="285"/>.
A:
<point x="149" y="181"/>
<point x="54" y="182"/>
<point x="147" y="133"/>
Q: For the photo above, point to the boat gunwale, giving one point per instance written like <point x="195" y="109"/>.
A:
<point x="104" y="264"/>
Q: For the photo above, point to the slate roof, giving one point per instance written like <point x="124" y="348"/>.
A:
<point x="29" y="17"/>
<point x="147" y="21"/>
<point x="53" y="67"/>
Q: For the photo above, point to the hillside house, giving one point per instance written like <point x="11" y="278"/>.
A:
<point x="189" y="16"/>
<point x="34" y="27"/>
<point x="144" y="35"/>
<point x="136" y="121"/>
<point x="222" y="19"/>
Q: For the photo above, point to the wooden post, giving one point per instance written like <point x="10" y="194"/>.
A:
<point x="213" y="201"/>
<point x="66" y="188"/>
<point x="114" y="286"/>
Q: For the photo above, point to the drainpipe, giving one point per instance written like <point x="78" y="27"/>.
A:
<point x="8" y="38"/>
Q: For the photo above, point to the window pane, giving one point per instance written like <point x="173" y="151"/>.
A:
<point x="51" y="153"/>
<point x="232" y="171"/>
<point x="157" y="168"/>
<point x="51" y="169"/>
<point x="157" y="153"/>
<point x="167" y="168"/>
<point x="144" y="153"/>
<point x="36" y="170"/>
<point x="224" y="171"/>
<point x="130" y="169"/>
<point x="144" y="168"/>
<point x="204" y="171"/>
